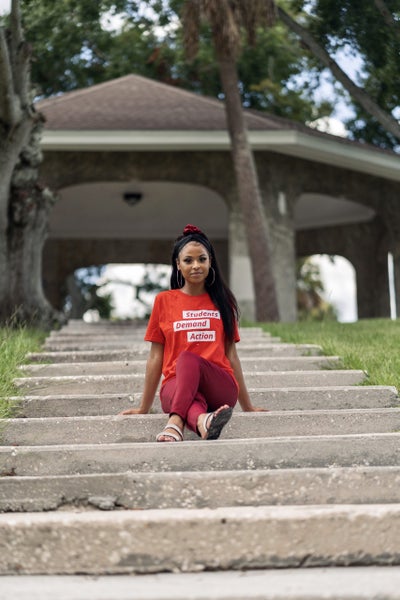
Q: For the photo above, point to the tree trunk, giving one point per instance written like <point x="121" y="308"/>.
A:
<point x="249" y="197"/>
<point x="24" y="204"/>
<point x="10" y="148"/>
<point x="24" y="208"/>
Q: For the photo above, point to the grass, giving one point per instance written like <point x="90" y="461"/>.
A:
<point x="14" y="345"/>
<point x="372" y="345"/>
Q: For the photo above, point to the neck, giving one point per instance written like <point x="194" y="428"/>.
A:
<point x="193" y="290"/>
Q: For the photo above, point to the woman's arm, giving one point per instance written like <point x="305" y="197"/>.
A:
<point x="151" y="381"/>
<point x="244" y="398"/>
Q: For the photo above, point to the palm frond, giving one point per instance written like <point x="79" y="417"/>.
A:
<point x="225" y="23"/>
<point x="227" y="19"/>
<point x="256" y="14"/>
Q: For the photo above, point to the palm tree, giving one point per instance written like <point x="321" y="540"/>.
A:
<point x="228" y="20"/>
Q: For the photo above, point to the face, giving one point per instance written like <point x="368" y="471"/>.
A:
<point x="194" y="263"/>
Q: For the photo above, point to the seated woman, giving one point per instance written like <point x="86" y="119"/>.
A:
<point x="193" y="329"/>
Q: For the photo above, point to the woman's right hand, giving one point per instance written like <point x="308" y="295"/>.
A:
<point x="134" y="411"/>
<point x="151" y="381"/>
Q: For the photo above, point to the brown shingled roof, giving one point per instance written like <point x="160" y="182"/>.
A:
<point x="137" y="103"/>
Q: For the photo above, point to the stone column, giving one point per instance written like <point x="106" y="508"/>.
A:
<point x="372" y="279"/>
<point x="282" y="243"/>
<point x="240" y="275"/>
<point x="282" y="238"/>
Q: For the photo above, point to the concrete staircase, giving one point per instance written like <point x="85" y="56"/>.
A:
<point x="314" y="482"/>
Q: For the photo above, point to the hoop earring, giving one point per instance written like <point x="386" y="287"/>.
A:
<point x="179" y="279"/>
<point x="213" y="280"/>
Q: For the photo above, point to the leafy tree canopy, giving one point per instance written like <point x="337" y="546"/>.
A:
<point x="369" y="31"/>
<point x="77" y="43"/>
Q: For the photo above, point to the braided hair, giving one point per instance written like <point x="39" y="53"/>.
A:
<point x="217" y="289"/>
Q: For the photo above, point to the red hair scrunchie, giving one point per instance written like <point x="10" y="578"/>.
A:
<point x="192" y="229"/>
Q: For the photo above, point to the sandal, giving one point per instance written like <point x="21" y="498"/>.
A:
<point x="217" y="423"/>
<point x="173" y="436"/>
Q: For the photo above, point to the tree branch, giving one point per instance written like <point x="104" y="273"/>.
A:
<point x="387" y="16"/>
<point x="358" y="94"/>
<point x="22" y="74"/>
<point x="14" y="70"/>
<point x="9" y="107"/>
<point x="16" y="24"/>
<point x="20" y="54"/>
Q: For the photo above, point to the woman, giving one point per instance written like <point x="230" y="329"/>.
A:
<point x="193" y="330"/>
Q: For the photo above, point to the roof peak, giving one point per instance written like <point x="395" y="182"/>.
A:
<point x="126" y="78"/>
<point x="135" y="102"/>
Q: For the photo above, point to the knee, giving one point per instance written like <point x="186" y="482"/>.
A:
<point x="187" y="358"/>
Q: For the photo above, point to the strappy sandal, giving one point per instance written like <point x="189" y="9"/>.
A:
<point x="218" y="421"/>
<point x="173" y="436"/>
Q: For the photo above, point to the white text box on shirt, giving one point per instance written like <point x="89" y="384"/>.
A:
<point x="193" y="324"/>
<point x="201" y="314"/>
<point x="201" y="336"/>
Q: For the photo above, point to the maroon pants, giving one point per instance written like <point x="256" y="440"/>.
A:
<point x="199" y="386"/>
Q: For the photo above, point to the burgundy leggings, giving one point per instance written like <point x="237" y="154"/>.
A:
<point x="199" y="386"/>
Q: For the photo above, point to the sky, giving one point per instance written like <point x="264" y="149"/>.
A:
<point x="5" y="6"/>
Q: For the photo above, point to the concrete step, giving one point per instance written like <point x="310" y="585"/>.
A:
<point x="96" y="328"/>
<point x="144" y="428"/>
<point x="381" y="449"/>
<point x="99" y="384"/>
<point x="121" y="331"/>
<point x="245" y="334"/>
<point x="97" y="340"/>
<point x="142" y="348"/>
<point x="138" y="333"/>
<point x="334" y="583"/>
<point x="305" y="398"/>
<point x="107" y="344"/>
<point x="206" y="539"/>
<point x="249" y="364"/>
<point x="142" y="491"/>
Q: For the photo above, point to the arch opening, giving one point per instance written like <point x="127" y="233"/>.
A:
<point x="338" y="277"/>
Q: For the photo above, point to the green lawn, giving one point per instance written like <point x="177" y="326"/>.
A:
<point x="372" y="345"/>
<point x="14" y="345"/>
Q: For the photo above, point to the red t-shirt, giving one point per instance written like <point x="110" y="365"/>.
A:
<point x="181" y="322"/>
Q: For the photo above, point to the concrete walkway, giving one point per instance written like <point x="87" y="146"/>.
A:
<point x="314" y="482"/>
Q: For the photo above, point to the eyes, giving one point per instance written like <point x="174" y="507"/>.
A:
<point x="188" y="260"/>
